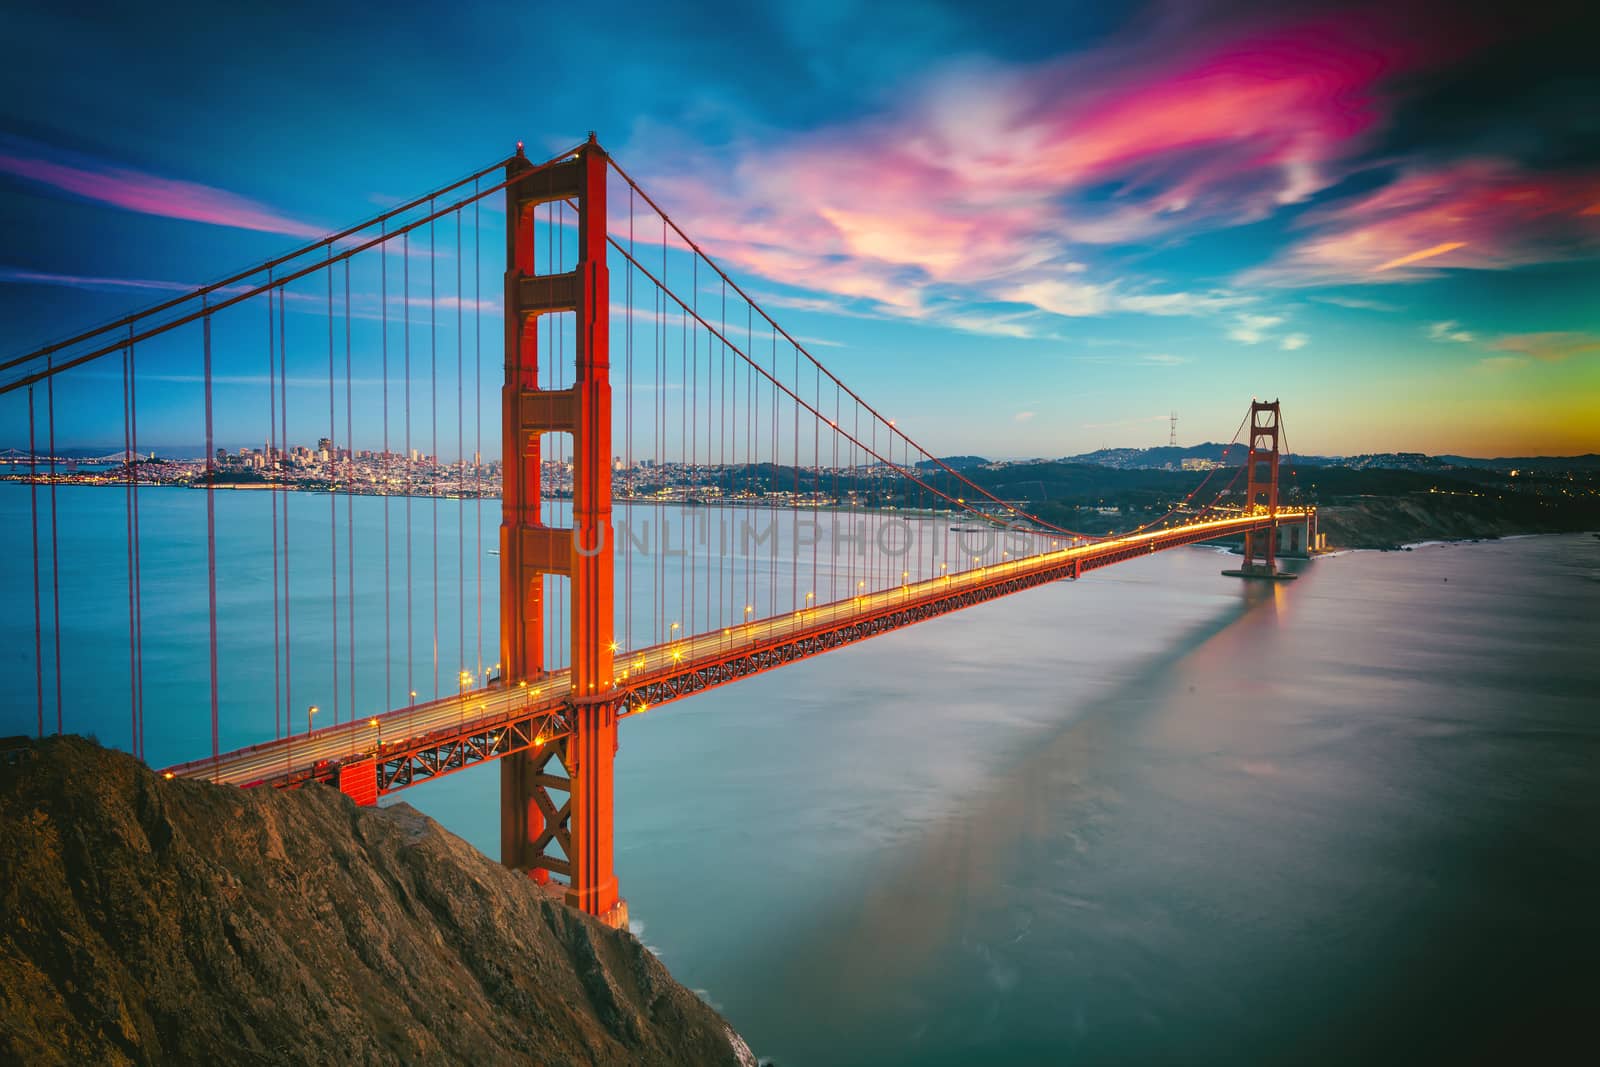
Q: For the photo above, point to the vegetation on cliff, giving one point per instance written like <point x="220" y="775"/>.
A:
<point x="152" y="921"/>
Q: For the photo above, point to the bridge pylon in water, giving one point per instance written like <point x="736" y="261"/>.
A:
<point x="580" y="765"/>
<point x="1261" y="492"/>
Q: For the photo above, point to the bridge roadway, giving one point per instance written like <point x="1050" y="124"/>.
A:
<point x="433" y="738"/>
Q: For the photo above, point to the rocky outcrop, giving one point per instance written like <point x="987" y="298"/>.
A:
<point x="152" y="921"/>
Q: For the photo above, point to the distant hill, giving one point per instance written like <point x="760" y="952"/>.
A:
<point x="1544" y="464"/>
<point x="1169" y="455"/>
<point x="958" y="463"/>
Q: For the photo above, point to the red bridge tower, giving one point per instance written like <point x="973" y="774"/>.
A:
<point x="1261" y="492"/>
<point x="530" y="819"/>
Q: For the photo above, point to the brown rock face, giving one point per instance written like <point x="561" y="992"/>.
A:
<point x="152" y="921"/>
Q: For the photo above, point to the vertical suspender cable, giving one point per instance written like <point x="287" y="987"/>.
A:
<point x="55" y="544"/>
<point x="38" y="627"/>
<point x="387" y="467"/>
<point x="691" y="336"/>
<point x="433" y="414"/>
<point x="772" y="608"/>
<point x="274" y="490"/>
<point x="211" y="537"/>
<point x="349" y="501"/>
<point x="138" y="566"/>
<point x="333" y="502"/>
<point x="794" y="512"/>
<point x="461" y="472"/>
<point x="477" y="417"/>
<point x="405" y="304"/>
<point x="283" y="443"/>
<point x="657" y="427"/>
<point x="129" y="463"/>
<point x="627" y="450"/>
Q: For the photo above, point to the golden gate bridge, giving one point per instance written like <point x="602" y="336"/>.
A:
<point x="716" y="405"/>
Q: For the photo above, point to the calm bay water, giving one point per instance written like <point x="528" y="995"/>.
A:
<point x="1155" y="814"/>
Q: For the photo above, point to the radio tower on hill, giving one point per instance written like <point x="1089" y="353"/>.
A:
<point x="1172" y="436"/>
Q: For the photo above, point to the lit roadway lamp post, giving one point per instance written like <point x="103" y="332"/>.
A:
<point x="311" y="717"/>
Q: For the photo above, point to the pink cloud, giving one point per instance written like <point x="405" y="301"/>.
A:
<point x="1480" y="214"/>
<point x="149" y="194"/>
<point x="985" y="183"/>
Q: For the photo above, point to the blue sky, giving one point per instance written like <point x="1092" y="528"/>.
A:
<point x="1025" y="235"/>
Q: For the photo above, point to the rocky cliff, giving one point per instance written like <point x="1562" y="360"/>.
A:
<point x="153" y="921"/>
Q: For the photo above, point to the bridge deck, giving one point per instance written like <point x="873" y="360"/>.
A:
<point x="423" y="741"/>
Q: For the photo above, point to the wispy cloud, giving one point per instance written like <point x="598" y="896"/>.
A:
<point x="1253" y="329"/>
<point x="22" y="276"/>
<point x="1023" y="416"/>
<point x="1502" y="363"/>
<point x="1551" y="347"/>
<point x="1075" y="299"/>
<point x="1293" y="342"/>
<point x="136" y="190"/>
<point x="1358" y="303"/>
<point x="1474" y="214"/>
<point x="363" y="305"/>
<point x="1163" y="359"/>
<point x="1449" y="331"/>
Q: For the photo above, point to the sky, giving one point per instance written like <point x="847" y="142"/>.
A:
<point x="1023" y="232"/>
